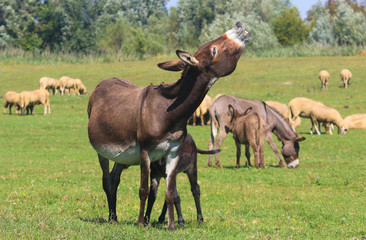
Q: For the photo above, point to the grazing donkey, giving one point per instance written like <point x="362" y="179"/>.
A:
<point x="274" y="123"/>
<point x="133" y="125"/>
<point x="188" y="164"/>
<point x="248" y="128"/>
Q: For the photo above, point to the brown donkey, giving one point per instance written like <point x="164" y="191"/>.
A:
<point x="248" y="129"/>
<point x="133" y="125"/>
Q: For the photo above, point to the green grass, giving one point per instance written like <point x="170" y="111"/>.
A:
<point x="50" y="178"/>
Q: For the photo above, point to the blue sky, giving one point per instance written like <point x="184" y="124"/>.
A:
<point x="302" y="5"/>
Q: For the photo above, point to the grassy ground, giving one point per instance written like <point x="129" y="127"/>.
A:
<point x="50" y="178"/>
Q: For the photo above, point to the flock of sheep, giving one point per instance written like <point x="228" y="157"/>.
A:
<point x="25" y="101"/>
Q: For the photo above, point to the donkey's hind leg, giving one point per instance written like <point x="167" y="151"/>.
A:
<point x="110" y="184"/>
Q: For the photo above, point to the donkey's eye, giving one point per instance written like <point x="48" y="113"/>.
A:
<point x="214" y="51"/>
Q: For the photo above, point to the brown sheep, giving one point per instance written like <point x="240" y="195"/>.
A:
<point x="248" y="129"/>
<point x="346" y="75"/>
<point x="12" y="98"/>
<point x="202" y="110"/>
<point x="300" y="107"/>
<point x="49" y="84"/>
<point x="356" y="121"/>
<point x="31" y="98"/>
<point x="282" y="109"/>
<point x="329" y="115"/>
<point x="324" y="78"/>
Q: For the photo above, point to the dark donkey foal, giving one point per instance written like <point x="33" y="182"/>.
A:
<point x="188" y="164"/>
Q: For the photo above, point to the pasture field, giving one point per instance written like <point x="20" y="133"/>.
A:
<point x="51" y="182"/>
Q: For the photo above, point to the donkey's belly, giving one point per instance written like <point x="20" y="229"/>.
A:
<point x="130" y="155"/>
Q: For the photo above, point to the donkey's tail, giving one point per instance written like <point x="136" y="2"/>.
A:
<point x="214" y="151"/>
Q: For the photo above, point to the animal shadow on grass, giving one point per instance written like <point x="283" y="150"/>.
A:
<point x="101" y="220"/>
<point x="247" y="166"/>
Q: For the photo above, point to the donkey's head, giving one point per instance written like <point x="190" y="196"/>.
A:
<point x="290" y="151"/>
<point x="219" y="56"/>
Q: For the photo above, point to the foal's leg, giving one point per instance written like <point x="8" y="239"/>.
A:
<point x="171" y="163"/>
<point x="154" y="185"/>
<point x="256" y="155"/>
<point x="247" y="154"/>
<point x="238" y="153"/>
<point x="177" y="207"/>
<point x="110" y="185"/>
<point x="195" y="189"/>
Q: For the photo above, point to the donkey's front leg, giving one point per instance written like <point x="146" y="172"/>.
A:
<point x="144" y="183"/>
<point x="171" y="164"/>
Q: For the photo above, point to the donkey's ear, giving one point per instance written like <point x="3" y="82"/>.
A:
<point x="231" y="110"/>
<point x="299" y="139"/>
<point x="172" y="65"/>
<point x="187" y="58"/>
<point x="248" y="111"/>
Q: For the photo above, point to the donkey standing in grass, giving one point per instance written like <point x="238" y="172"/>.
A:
<point x="133" y="125"/>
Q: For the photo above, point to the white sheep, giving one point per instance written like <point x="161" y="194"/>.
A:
<point x="356" y="121"/>
<point x="12" y="98"/>
<point x="71" y="84"/>
<point x="346" y="75"/>
<point x="324" y="78"/>
<point x="202" y="110"/>
<point x="328" y="115"/>
<point x="302" y="107"/>
<point x="30" y="98"/>
<point x="282" y="109"/>
<point x="49" y="84"/>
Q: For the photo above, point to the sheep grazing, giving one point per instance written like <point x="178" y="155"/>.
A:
<point x="324" y="78"/>
<point x="30" y="98"/>
<point x="72" y="84"/>
<point x="300" y="107"/>
<point x="248" y="129"/>
<point x="49" y="84"/>
<point x="282" y="109"/>
<point x="346" y="75"/>
<point x="81" y="87"/>
<point x="12" y="98"/>
<point x="329" y="115"/>
<point x="202" y="110"/>
<point x="356" y="121"/>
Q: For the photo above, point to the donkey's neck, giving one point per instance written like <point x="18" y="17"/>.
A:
<point x="281" y="128"/>
<point x="191" y="90"/>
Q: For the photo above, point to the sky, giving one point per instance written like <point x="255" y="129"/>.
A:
<point x="302" y="5"/>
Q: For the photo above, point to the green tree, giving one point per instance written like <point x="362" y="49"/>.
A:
<point x="17" y="25"/>
<point x="289" y="28"/>
<point x="350" y="26"/>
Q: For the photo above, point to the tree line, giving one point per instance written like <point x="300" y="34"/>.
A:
<point x="139" y="28"/>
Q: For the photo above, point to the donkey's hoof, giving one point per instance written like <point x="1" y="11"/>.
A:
<point x="171" y="227"/>
<point x="161" y="220"/>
